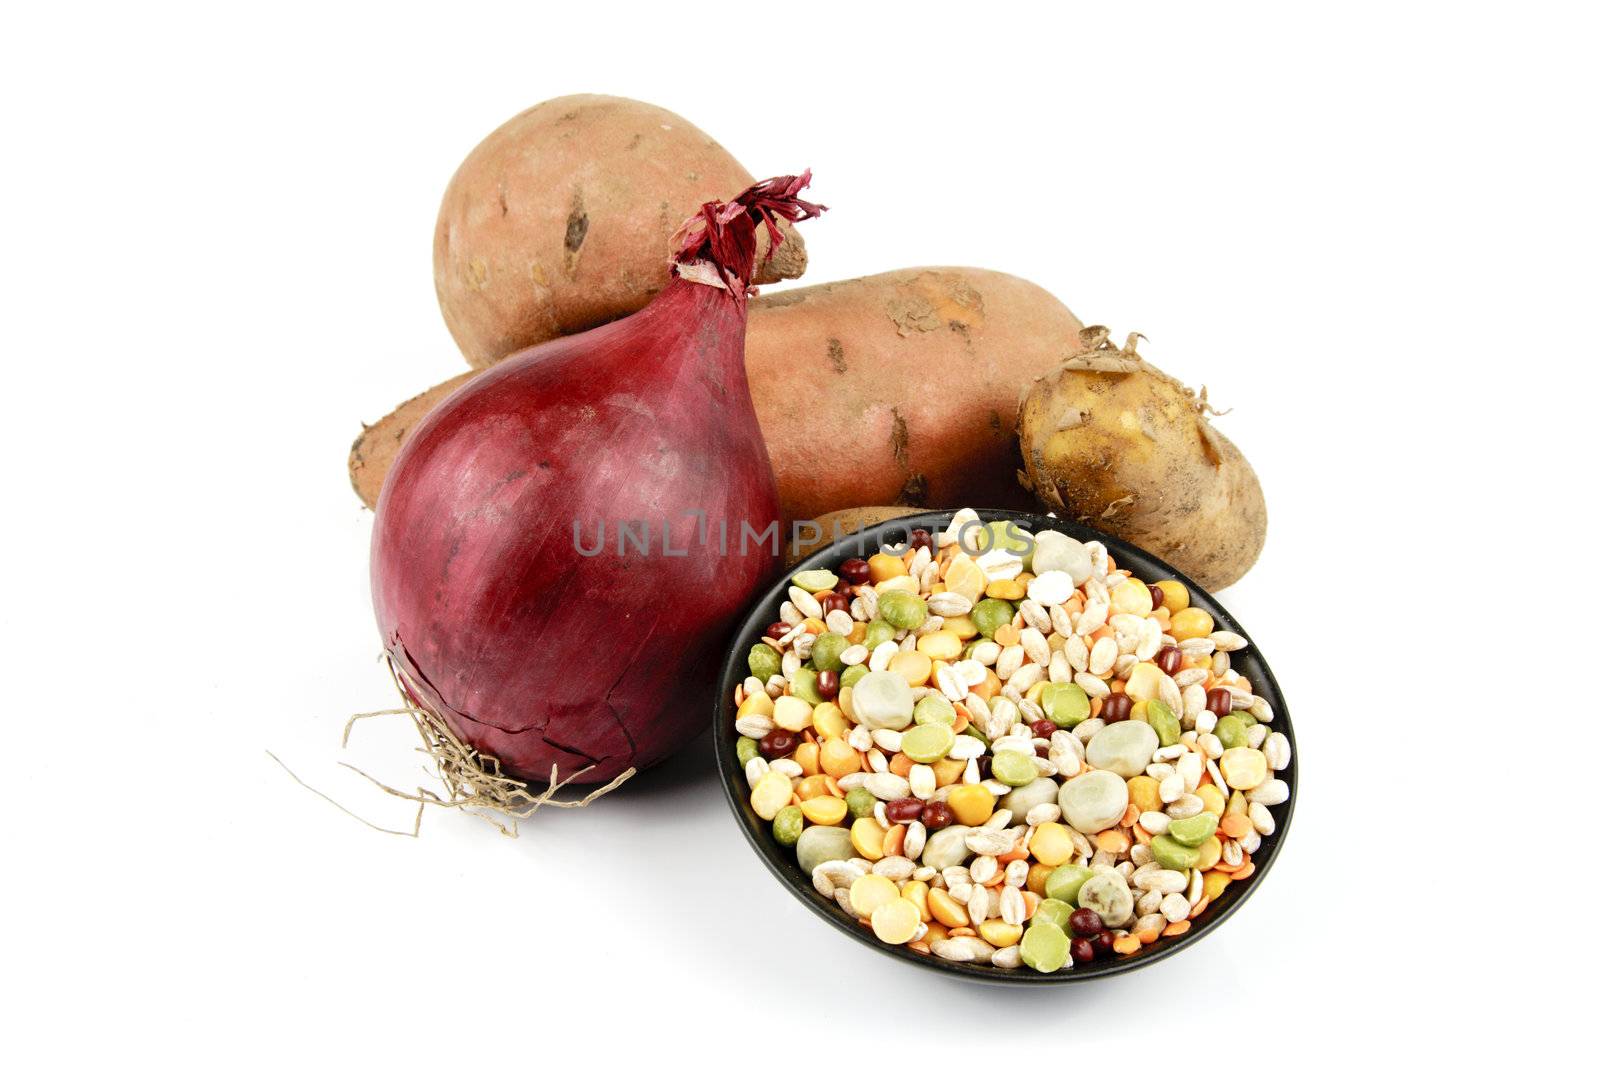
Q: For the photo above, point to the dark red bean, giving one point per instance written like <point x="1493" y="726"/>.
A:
<point x="984" y="763"/>
<point x="777" y="630"/>
<point x="1082" y="950"/>
<point x="1105" y="943"/>
<point x="779" y="743"/>
<point x="1156" y="596"/>
<point x="1219" y="702"/>
<point x="842" y="587"/>
<point x="1085" y="923"/>
<point x="1116" y="707"/>
<point x="1043" y="728"/>
<point x="828" y="684"/>
<point x="834" y="602"/>
<point x="902" y="811"/>
<point x="1169" y="659"/>
<point x="855" y="571"/>
<point x="922" y="539"/>
<point x="936" y="815"/>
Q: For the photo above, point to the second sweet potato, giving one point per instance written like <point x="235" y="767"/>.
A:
<point x="898" y="388"/>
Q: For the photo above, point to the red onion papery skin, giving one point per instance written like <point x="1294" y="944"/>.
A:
<point x="535" y="653"/>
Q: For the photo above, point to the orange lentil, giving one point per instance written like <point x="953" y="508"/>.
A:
<point x="835" y="788"/>
<point x="1143" y="836"/>
<point x="1112" y="840"/>
<point x="1126" y="946"/>
<point x="1129" y="817"/>
<point x="921" y="948"/>
<point x="961" y="723"/>
<point x="1030" y="903"/>
<point x="1194" y="912"/>
<point x="805" y="754"/>
<point x="894" y="842"/>
<point x="1019" y="854"/>
<point x="1236" y="825"/>
<point x="945" y="908"/>
<point x="1244" y="872"/>
<point x="815" y="785"/>
<point x="1148" y="934"/>
<point x="963" y="931"/>
<point x="901" y="764"/>
<point x="1007" y="635"/>
<point x="1179" y="927"/>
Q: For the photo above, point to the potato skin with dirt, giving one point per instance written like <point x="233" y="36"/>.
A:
<point x="895" y="389"/>
<point x="1110" y="440"/>
<point x="560" y="220"/>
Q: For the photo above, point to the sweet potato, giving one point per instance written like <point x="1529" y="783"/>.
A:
<point x="560" y="220"/>
<point x="1112" y="441"/>
<point x="375" y="449"/>
<point x="899" y="388"/>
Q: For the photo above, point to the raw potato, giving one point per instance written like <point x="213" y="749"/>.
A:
<point x="560" y="220"/>
<point x="1113" y="442"/>
<point x="845" y="523"/>
<point x="896" y="389"/>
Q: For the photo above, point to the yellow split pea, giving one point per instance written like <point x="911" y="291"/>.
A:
<point x="1190" y="623"/>
<point x="913" y="666"/>
<point x="896" y="921"/>
<point x="972" y="804"/>
<point x="867" y="837"/>
<point x="829" y="721"/>
<point x="940" y="645"/>
<point x="882" y="567"/>
<point x="870" y="892"/>
<point x="825" y="810"/>
<point x="1051" y="845"/>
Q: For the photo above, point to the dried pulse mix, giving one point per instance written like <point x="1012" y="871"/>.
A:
<point x="1003" y="749"/>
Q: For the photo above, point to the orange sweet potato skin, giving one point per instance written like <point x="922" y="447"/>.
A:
<point x="895" y="389"/>
<point x="560" y="220"/>
<point x="901" y="388"/>
<point x="377" y="445"/>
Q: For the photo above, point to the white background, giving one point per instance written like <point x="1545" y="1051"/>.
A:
<point x="1370" y="230"/>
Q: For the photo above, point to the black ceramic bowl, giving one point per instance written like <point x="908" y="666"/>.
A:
<point x="780" y="860"/>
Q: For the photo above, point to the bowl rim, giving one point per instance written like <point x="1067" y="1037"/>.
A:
<point x="1145" y="566"/>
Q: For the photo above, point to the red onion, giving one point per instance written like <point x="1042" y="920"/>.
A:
<point x="495" y="610"/>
